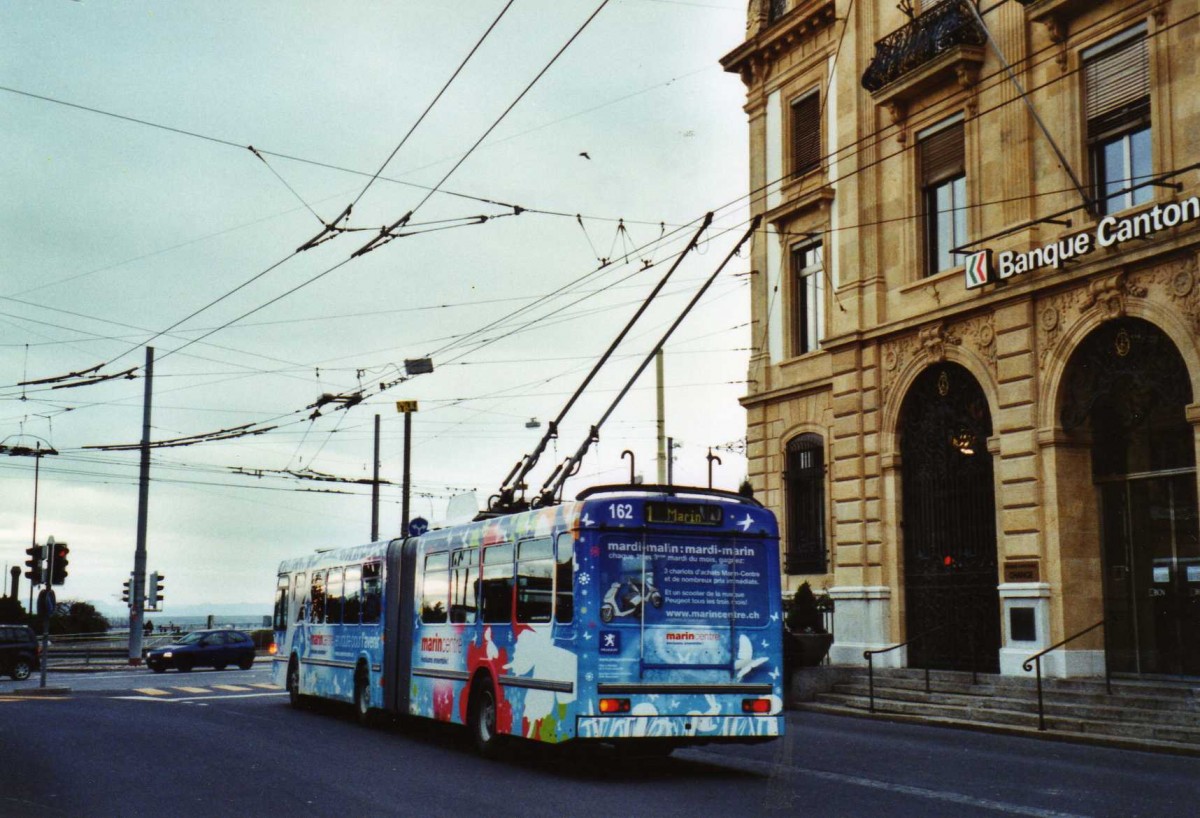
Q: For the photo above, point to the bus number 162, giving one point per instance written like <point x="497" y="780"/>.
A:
<point x="620" y="511"/>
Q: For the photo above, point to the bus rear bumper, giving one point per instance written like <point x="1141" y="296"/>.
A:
<point x="700" y="728"/>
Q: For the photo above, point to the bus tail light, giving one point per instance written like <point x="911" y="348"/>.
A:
<point x="756" y="705"/>
<point x="614" y="705"/>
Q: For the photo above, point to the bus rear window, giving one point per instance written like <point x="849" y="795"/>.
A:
<point x="281" y="604"/>
<point x="436" y="589"/>
<point x="372" y="592"/>
<point x="317" y="610"/>
<point x="464" y="586"/>
<point x="352" y="596"/>
<point x="564" y="580"/>
<point x="535" y="583"/>
<point x="496" y="596"/>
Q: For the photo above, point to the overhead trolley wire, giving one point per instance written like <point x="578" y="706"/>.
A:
<point x="434" y="102"/>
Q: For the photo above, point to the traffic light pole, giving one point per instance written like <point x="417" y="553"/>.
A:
<point x="137" y="602"/>
<point x="48" y="611"/>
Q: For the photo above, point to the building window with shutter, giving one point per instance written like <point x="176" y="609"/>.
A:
<point x="1116" y="80"/>
<point x="805" y="481"/>
<point x="808" y="298"/>
<point x="806" y="134"/>
<point x="944" y="194"/>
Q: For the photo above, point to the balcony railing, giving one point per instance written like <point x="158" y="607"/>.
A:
<point x="929" y="35"/>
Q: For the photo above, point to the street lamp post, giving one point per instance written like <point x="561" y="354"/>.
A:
<point x="37" y="453"/>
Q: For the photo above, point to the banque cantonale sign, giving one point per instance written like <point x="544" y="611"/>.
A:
<point x="982" y="268"/>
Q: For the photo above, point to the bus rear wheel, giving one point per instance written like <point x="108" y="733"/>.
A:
<point x="483" y="718"/>
<point x="362" y="699"/>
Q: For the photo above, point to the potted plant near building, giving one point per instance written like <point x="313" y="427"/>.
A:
<point x="806" y="640"/>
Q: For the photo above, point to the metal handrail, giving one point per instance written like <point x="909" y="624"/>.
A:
<point x="869" y="655"/>
<point x="1036" y="660"/>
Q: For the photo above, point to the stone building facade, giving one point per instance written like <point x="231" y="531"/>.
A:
<point x="974" y="394"/>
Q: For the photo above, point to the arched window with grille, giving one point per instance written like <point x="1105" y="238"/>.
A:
<point x="805" y="480"/>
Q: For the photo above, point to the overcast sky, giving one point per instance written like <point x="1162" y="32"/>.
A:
<point x="114" y="229"/>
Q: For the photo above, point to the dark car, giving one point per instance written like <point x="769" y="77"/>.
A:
<point x="19" y="652"/>
<point x="204" y="649"/>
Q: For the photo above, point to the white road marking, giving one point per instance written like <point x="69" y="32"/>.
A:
<point x="971" y="801"/>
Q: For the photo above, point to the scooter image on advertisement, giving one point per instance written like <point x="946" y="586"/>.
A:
<point x="626" y="599"/>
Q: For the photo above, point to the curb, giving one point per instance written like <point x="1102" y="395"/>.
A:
<point x="1112" y="742"/>
<point x="50" y="690"/>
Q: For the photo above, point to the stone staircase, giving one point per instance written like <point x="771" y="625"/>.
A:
<point x="1138" y="714"/>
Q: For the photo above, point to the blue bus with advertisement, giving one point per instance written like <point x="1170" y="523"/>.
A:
<point x="635" y="615"/>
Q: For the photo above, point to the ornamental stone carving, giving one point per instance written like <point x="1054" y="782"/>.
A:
<point x="933" y="340"/>
<point x="1109" y="294"/>
<point x="980" y="333"/>
<point x="1173" y="281"/>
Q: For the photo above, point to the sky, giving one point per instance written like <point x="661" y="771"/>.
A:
<point x="137" y="213"/>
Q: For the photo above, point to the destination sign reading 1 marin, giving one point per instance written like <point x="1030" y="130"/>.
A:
<point x="683" y="513"/>
<point x="1111" y="231"/>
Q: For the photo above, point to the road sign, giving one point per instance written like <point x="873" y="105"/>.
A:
<point x="417" y="526"/>
<point x="46" y="603"/>
<point x="406" y="406"/>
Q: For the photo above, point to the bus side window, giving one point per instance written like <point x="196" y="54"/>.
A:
<point x="298" y="596"/>
<point x="535" y="584"/>
<point x="436" y="588"/>
<point x="564" y="580"/>
<point x="333" y="597"/>
<point x="465" y="576"/>
<point x="281" y="604"/>
<point x="371" y="592"/>
<point x="496" y="599"/>
<point x="352" y="596"/>
<point x="316" y="613"/>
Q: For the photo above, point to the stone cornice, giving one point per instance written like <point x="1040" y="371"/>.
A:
<point x="761" y="50"/>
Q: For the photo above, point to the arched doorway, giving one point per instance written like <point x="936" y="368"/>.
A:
<point x="952" y="605"/>
<point x="1127" y="387"/>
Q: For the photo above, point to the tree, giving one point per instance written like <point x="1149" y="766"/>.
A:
<point x="77" y="617"/>
<point x="12" y="612"/>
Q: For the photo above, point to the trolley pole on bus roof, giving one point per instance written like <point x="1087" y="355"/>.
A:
<point x="137" y="593"/>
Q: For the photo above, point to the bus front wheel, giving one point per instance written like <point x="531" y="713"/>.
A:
<point x="483" y="718"/>
<point x="293" y="685"/>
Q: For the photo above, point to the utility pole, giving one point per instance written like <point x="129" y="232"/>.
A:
<point x="662" y="420"/>
<point x="137" y="600"/>
<point x="375" y="488"/>
<point x="670" y="461"/>
<point x="406" y="407"/>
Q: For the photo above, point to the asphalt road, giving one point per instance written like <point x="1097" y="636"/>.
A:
<point x="214" y="744"/>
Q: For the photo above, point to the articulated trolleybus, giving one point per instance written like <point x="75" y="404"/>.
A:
<point x="636" y="615"/>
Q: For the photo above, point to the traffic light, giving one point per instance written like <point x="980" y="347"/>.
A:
<point x="127" y="594"/>
<point x="33" y="565"/>
<point x="155" y="589"/>
<point x="58" y="564"/>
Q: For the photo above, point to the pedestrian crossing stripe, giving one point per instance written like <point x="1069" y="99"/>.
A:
<point x="194" y="689"/>
<point x="266" y="686"/>
<point x="235" y="688"/>
<point x="152" y="691"/>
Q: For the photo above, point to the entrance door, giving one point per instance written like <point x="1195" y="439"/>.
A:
<point x="1152" y="574"/>
<point x="952" y="605"/>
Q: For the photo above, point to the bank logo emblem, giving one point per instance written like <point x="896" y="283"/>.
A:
<point x="979" y="269"/>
